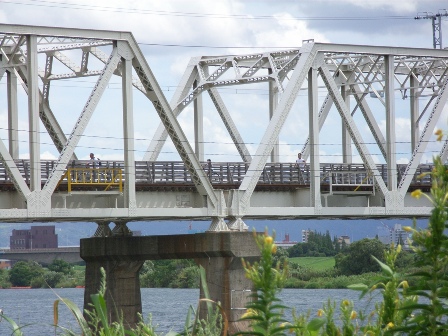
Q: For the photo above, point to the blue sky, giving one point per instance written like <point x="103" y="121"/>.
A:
<point x="170" y="32"/>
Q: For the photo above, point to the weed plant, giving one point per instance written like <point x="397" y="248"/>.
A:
<point x="416" y="309"/>
<point x="414" y="303"/>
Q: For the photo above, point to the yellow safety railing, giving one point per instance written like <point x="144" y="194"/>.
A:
<point x="93" y="177"/>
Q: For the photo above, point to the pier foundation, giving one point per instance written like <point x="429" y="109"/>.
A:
<point x="220" y="254"/>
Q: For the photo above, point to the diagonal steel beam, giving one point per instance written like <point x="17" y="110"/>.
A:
<point x="161" y="134"/>
<point x="275" y="125"/>
<point x="369" y="118"/>
<point x="81" y="124"/>
<point x="322" y="116"/>
<point x="351" y="126"/>
<point x="11" y="167"/>
<point x="169" y="120"/>
<point x="229" y="124"/>
<point x="427" y="132"/>
<point x="47" y="117"/>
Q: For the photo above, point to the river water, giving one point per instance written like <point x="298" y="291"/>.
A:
<point x="33" y="308"/>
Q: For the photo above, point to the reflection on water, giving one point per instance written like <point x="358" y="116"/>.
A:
<point x="33" y="308"/>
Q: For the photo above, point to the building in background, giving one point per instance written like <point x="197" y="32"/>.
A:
<point x="397" y="236"/>
<point x="38" y="237"/>
<point x="305" y="235"/>
<point x="5" y="264"/>
<point x="344" y="239"/>
<point x="286" y="243"/>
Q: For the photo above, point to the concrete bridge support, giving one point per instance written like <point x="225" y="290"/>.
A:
<point x="219" y="253"/>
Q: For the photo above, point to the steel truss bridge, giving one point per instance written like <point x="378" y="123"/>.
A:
<point x="360" y="83"/>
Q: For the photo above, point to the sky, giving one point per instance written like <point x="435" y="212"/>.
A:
<point x="170" y="32"/>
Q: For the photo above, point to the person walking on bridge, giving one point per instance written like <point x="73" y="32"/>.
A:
<point x="300" y="165"/>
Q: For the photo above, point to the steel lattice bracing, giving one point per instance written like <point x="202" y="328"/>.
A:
<point x="358" y="83"/>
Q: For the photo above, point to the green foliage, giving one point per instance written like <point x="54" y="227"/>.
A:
<point x="213" y="324"/>
<point x="15" y="329"/>
<point x="357" y="258"/>
<point x="22" y="273"/>
<point x="318" y="245"/>
<point x="280" y="257"/>
<point x="169" y="274"/>
<point x="430" y="314"/>
<point x="265" y="312"/>
<point x="4" y="279"/>
<point x="60" y="266"/>
<point x="314" y="263"/>
<point x="52" y="279"/>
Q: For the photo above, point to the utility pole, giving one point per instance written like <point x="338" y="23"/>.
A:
<point x="436" y="26"/>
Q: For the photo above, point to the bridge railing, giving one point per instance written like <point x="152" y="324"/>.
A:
<point x="220" y="173"/>
<point x="99" y="178"/>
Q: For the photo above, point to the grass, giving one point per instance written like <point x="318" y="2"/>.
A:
<point x="314" y="263"/>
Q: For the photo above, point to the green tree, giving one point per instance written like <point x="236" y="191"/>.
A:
<point x="169" y="273"/>
<point x="318" y="245"/>
<point x="280" y="257"/>
<point x="357" y="257"/>
<point x="52" y="278"/>
<point x="60" y="266"/>
<point x="22" y="273"/>
<point x="4" y="279"/>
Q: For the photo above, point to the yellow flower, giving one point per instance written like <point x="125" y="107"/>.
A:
<point x="389" y="325"/>
<point x="404" y="284"/>
<point x="407" y="228"/>
<point x="353" y="315"/>
<point x="417" y="193"/>
<point x="346" y="302"/>
<point x="320" y="313"/>
<point x="249" y="313"/>
<point x="268" y="240"/>
<point x="422" y="175"/>
<point x="274" y="249"/>
<point x="399" y="248"/>
<point x="439" y="134"/>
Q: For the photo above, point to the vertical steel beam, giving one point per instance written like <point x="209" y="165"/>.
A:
<point x="307" y="55"/>
<point x="346" y="140"/>
<point x="198" y="121"/>
<point x="13" y="117"/>
<point x="390" y="124"/>
<point x="33" y="113"/>
<point x="273" y="101"/>
<point x="314" y="139"/>
<point x="415" y="132"/>
<point x="128" y="133"/>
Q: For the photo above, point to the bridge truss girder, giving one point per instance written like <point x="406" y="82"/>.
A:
<point x="20" y="47"/>
<point x="342" y="70"/>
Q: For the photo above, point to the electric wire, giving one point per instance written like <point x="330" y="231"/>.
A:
<point x="51" y="4"/>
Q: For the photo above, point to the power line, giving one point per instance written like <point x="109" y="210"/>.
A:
<point x="51" y="4"/>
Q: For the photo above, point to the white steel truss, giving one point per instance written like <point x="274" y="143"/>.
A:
<point x="363" y="73"/>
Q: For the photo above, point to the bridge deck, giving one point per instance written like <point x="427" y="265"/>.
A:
<point x="163" y="175"/>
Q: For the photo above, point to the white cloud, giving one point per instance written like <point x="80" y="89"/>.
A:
<point x="285" y="32"/>
<point x="173" y="22"/>
<point x="402" y="6"/>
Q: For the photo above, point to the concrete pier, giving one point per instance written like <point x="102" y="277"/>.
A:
<point x="121" y="257"/>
